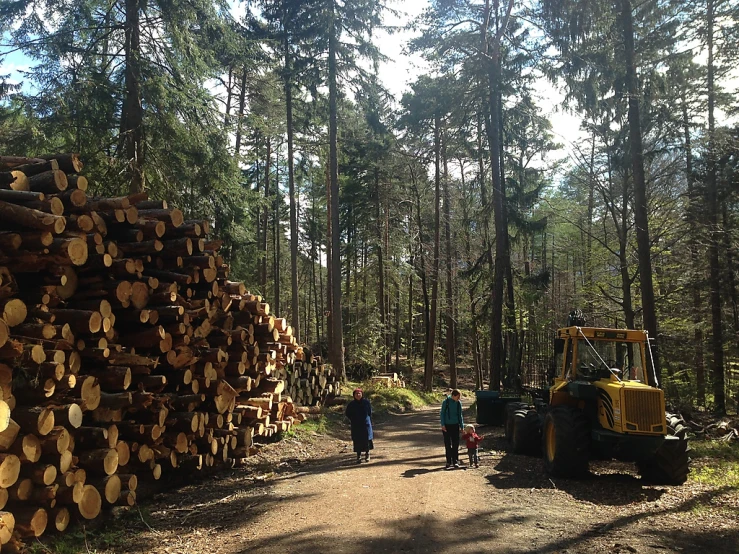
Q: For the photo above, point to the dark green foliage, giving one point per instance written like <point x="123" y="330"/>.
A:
<point x="214" y="94"/>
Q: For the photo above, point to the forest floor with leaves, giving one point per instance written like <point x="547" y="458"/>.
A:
<point x="306" y="494"/>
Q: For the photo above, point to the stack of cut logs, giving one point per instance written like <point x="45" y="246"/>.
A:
<point x="389" y="380"/>
<point x="309" y="382"/>
<point x="124" y="349"/>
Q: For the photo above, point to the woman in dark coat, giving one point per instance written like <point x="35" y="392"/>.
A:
<point x="359" y="412"/>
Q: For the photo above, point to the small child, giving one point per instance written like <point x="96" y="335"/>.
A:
<point x="472" y="439"/>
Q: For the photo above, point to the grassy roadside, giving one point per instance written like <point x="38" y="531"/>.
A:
<point x="393" y="400"/>
<point x="384" y="401"/>
<point x="715" y="463"/>
<point x="98" y="538"/>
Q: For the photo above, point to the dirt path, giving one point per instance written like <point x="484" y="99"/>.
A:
<point x="403" y="501"/>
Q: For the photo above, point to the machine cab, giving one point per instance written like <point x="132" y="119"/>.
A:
<point x="610" y="371"/>
<point x="590" y="354"/>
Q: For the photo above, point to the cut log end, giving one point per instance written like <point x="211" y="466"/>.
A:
<point x="31" y="448"/>
<point x="61" y="518"/>
<point x="77" y="251"/>
<point x="9" y="470"/>
<point x="14" y="312"/>
<point x="90" y="503"/>
<point x="21" y="181"/>
<point x="4" y="416"/>
<point x="112" y="489"/>
<point x="7" y="525"/>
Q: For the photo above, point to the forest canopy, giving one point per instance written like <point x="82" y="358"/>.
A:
<point x="443" y="225"/>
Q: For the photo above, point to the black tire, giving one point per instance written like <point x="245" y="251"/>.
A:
<point x="526" y="432"/>
<point x="510" y="408"/>
<point x="676" y="425"/>
<point x="566" y="442"/>
<point x="670" y="465"/>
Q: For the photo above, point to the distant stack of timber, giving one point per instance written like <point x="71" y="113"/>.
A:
<point x="389" y="380"/>
<point x="309" y="382"/>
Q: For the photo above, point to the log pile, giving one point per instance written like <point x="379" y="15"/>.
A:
<point x="309" y="382"/>
<point x="389" y="380"/>
<point x="723" y="430"/>
<point x="125" y="350"/>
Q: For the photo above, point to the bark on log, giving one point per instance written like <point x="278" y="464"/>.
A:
<point x="68" y="162"/>
<point x="80" y="321"/>
<point x="30" y="521"/>
<point x="28" y="449"/>
<point x="69" y="415"/>
<point x="40" y="474"/>
<point x="99" y="461"/>
<point x="14" y="180"/>
<point x="77" y="182"/>
<point x="173" y="217"/>
<point x="56" y="441"/>
<point x="50" y="182"/>
<point x="34" y="419"/>
<point x="9" y="434"/>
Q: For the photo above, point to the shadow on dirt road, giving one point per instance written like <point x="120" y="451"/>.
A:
<point x="403" y="501"/>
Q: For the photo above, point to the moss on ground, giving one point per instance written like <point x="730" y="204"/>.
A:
<point x="386" y="399"/>
<point x="719" y="450"/>
<point x="717" y="474"/>
<point x="715" y="463"/>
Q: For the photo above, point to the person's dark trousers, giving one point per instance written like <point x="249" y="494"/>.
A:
<point x="451" y="444"/>
<point x="472" y="454"/>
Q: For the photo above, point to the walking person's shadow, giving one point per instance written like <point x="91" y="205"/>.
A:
<point x="410" y="473"/>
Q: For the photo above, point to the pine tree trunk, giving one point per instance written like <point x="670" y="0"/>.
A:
<point x="623" y="246"/>
<point x="714" y="234"/>
<point x="258" y="215"/>
<point x="730" y="269"/>
<point x="468" y="255"/>
<point x="242" y="107"/>
<point x="133" y="124"/>
<point x="338" y="336"/>
<point x="397" y="326"/>
<point x="409" y="348"/>
<point x="431" y="330"/>
<point x="589" y="224"/>
<point x="386" y="239"/>
<point x="229" y="96"/>
<point x="347" y="295"/>
<point x="492" y="48"/>
<point x="451" y="340"/>
<point x="315" y="257"/>
<point x="484" y="360"/>
<point x="512" y="351"/>
<point x="329" y="267"/>
<point x="380" y="271"/>
<point x="276" y="233"/>
<point x="295" y="299"/>
<point x="499" y="270"/>
<point x="698" y="362"/>
<point x="423" y="276"/>
<point x="641" y="213"/>
<point x="265" y="218"/>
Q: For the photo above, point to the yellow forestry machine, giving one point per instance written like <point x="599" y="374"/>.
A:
<point x="603" y="402"/>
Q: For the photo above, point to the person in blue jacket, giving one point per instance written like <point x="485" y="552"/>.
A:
<point x="359" y="412"/>
<point x="451" y="426"/>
